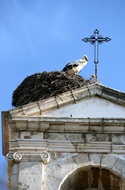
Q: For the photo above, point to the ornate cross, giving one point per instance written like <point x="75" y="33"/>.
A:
<point x="95" y="40"/>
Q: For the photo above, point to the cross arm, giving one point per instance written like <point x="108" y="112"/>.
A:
<point x="89" y="39"/>
<point x="99" y="39"/>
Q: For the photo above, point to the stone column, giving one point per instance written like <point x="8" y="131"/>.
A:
<point x="26" y="170"/>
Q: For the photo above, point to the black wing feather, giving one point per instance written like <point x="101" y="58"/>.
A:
<point x="69" y="66"/>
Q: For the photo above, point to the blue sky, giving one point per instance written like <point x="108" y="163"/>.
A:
<point x="44" y="35"/>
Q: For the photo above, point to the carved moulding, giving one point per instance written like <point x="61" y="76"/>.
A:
<point x="17" y="157"/>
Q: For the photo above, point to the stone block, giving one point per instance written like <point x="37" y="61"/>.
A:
<point x="81" y="159"/>
<point x="118" y="149"/>
<point x="64" y="136"/>
<point x="25" y="134"/>
<point x="21" y="125"/>
<point x="14" y="182"/>
<point x="15" y="169"/>
<point x="51" y="184"/>
<point x="96" y="129"/>
<point x="30" y="167"/>
<point x="113" y="129"/>
<point x="44" y="126"/>
<point x="36" y="135"/>
<point x="118" y="139"/>
<point x="54" y="136"/>
<point x="119" y="166"/>
<point x="33" y="125"/>
<point x="95" y="159"/>
<point x="108" y="161"/>
<point x="56" y="127"/>
<point x="75" y="127"/>
<point x="30" y="181"/>
<point x="30" y="175"/>
<point x="97" y="138"/>
<point x="16" y="135"/>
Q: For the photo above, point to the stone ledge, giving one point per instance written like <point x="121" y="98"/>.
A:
<point x="66" y="146"/>
<point x="86" y="125"/>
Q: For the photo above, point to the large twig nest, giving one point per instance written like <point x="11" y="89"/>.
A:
<point x="44" y="85"/>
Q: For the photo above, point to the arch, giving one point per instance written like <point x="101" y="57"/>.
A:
<point x="68" y="166"/>
<point x="92" y="178"/>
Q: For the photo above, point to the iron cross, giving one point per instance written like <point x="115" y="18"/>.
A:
<point x="95" y="40"/>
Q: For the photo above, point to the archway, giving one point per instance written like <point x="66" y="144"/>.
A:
<point x="92" y="178"/>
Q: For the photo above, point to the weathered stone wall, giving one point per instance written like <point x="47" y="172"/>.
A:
<point x="69" y="151"/>
<point x="66" y="171"/>
<point x="49" y="153"/>
<point x="61" y="173"/>
<point x="26" y="170"/>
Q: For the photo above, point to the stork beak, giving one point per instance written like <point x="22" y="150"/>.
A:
<point x="86" y="59"/>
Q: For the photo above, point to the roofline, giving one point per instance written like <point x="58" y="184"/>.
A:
<point x="44" y="106"/>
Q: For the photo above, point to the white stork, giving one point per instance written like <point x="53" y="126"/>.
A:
<point x="76" y="66"/>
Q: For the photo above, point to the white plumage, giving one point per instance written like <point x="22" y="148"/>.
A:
<point x="76" y="66"/>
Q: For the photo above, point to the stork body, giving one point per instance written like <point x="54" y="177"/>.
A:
<point x="76" y="66"/>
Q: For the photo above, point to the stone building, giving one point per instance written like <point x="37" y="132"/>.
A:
<point x="72" y="141"/>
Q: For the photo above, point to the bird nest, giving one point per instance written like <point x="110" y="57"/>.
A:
<point x="44" y="85"/>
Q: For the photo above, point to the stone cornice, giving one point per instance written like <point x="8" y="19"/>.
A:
<point x="65" y="146"/>
<point x="10" y="124"/>
<point x="84" y="125"/>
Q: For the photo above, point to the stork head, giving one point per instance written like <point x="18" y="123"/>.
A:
<point x="85" y="57"/>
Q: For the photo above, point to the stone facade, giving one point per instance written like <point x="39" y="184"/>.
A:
<point x="75" y="141"/>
